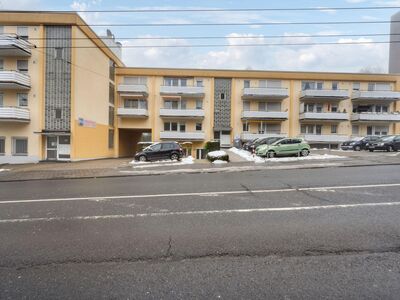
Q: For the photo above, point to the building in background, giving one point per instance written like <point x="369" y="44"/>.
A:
<point x="110" y="41"/>
<point x="65" y="95"/>
<point x="394" y="52"/>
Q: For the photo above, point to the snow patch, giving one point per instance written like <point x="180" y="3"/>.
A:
<point x="162" y="163"/>
<point x="214" y="154"/>
<point x="4" y="170"/>
<point x="219" y="162"/>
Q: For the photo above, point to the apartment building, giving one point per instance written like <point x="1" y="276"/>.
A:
<point x="64" y="95"/>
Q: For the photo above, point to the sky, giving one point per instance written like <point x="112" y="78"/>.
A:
<point x="332" y="58"/>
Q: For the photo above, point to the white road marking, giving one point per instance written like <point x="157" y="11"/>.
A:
<point x="200" y="213"/>
<point x="208" y="194"/>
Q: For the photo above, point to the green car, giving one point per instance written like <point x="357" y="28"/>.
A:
<point x="284" y="147"/>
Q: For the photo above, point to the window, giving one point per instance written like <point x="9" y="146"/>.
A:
<point x="2" y="145"/>
<point x="182" y="127"/>
<point x="335" y="86"/>
<point x="356" y="86"/>
<point x="174" y="126"/>
<point x="111" y="116"/>
<point x="167" y="146"/>
<point x="129" y="80"/>
<point x="199" y="82"/>
<point x="111" y="92"/>
<point x="246" y="84"/>
<point x="183" y="104"/>
<point x="262" y="106"/>
<point x="59" y="53"/>
<point x="246" y="127"/>
<point x="354" y="130"/>
<point x="19" y="146"/>
<point x="135" y="103"/>
<point x="58" y="113"/>
<point x="274" y="84"/>
<point x="381" y="108"/>
<point x="381" y="130"/>
<point x="264" y="128"/>
<point x="22" y="32"/>
<point x="183" y="82"/>
<point x="1" y="29"/>
<point x="273" y="106"/>
<point x="246" y="105"/>
<point x="309" y="107"/>
<point x="334" y="129"/>
<point x="22" y="100"/>
<point x="262" y="83"/>
<point x="111" y="70"/>
<point x="175" y="81"/>
<point x="199" y="127"/>
<point x="311" y="129"/>
<point x="199" y="104"/>
<point x="318" y="108"/>
<point x="334" y="108"/>
<point x="110" y="138"/>
<point x="318" y="129"/>
<point x="296" y="141"/>
<point x="1" y="100"/>
<point x="379" y="86"/>
<point x="22" y="66"/>
<point x="1" y="64"/>
<point x="222" y="96"/>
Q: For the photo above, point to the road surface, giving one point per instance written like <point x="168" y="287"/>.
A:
<point x="291" y="234"/>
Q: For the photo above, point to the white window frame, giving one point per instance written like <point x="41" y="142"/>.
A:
<point x="178" y="126"/>
<point x="22" y="96"/>
<point x="14" y="145"/>
<point x="141" y="103"/>
<point x="173" y="81"/>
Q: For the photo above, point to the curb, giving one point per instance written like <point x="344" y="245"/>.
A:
<point x="209" y="171"/>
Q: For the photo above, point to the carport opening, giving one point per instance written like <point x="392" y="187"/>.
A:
<point x="129" y="140"/>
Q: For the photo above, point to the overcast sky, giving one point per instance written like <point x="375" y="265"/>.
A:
<point x="342" y="58"/>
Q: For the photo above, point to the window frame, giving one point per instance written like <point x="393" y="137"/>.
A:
<point x="20" y="97"/>
<point x="14" y="140"/>
<point x="2" y="145"/>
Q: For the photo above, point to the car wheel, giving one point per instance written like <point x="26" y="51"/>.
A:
<point x="174" y="156"/>
<point x="304" y="152"/>
<point x="371" y="150"/>
<point x="390" y="149"/>
<point x="357" y="148"/>
<point x="142" y="158"/>
<point x="271" y="154"/>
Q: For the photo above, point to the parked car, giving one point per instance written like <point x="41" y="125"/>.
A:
<point x="388" y="143"/>
<point x="163" y="150"/>
<point x="284" y="147"/>
<point x="246" y="146"/>
<point x="358" y="144"/>
<point x="263" y="141"/>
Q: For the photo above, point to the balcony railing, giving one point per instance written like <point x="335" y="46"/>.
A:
<point x="132" y="112"/>
<point x="377" y="117"/>
<point x="12" y="45"/>
<point x="14" y="80"/>
<point x="246" y="136"/>
<point x="129" y="89"/>
<point x="329" y="116"/>
<point x="264" y="92"/>
<point x="186" y="113"/>
<point x="273" y="115"/>
<point x="376" y="95"/>
<point x="324" y="94"/>
<point x="179" y="136"/>
<point x="325" y="138"/>
<point x="14" y="114"/>
<point x="188" y="91"/>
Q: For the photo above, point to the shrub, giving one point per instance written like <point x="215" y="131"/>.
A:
<point x="212" y="146"/>
<point x="218" y="155"/>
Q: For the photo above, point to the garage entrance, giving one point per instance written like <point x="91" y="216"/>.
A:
<point x="129" y="139"/>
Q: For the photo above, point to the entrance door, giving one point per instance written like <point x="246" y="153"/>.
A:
<point x="225" y="138"/>
<point x="51" y="148"/>
<point x="58" y="148"/>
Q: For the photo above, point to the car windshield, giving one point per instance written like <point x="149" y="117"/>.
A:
<point x="387" y="138"/>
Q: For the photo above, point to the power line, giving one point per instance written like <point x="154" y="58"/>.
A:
<point x="166" y="10"/>
<point x="222" y="37"/>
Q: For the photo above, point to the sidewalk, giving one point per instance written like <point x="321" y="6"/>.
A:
<point x="122" y="168"/>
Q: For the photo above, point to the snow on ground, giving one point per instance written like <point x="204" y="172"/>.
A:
<point x="4" y="170"/>
<point x="252" y="157"/>
<point x="162" y="163"/>
<point x="219" y="162"/>
<point x="217" y="153"/>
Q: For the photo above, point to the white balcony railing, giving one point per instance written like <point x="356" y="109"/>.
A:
<point x="274" y="115"/>
<point x="378" y="117"/>
<point x="12" y="45"/>
<point x="330" y="116"/>
<point x="246" y="136"/>
<point x="132" y="112"/>
<point x="14" y="80"/>
<point x="325" y="94"/>
<point x="326" y="138"/>
<point x="14" y="114"/>
<point x="376" y="95"/>
<point x="140" y="89"/>
<point x="176" y="135"/>
<point x="192" y="91"/>
<point x="264" y="92"/>
<point x="187" y="113"/>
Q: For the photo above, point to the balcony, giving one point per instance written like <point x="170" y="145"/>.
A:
<point x="246" y="136"/>
<point x="132" y="112"/>
<point x="324" y="95"/>
<point x="130" y="90"/>
<point x="376" y="117"/>
<point x="14" y="114"/>
<point x="376" y="96"/>
<point x="325" y="138"/>
<point x="324" y="116"/>
<point x="14" y="80"/>
<point x="264" y="92"/>
<point x="184" y="113"/>
<point x="182" y="136"/>
<point x="265" y="115"/>
<point x="183" y="91"/>
<point x="12" y="45"/>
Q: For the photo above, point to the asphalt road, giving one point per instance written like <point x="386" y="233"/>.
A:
<point x="290" y="234"/>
